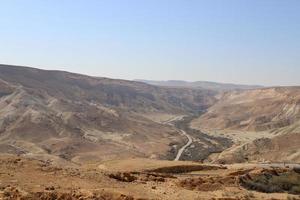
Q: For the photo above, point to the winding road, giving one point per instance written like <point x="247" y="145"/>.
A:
<point x="190" y="139"/>
<point x="181" y="150"/>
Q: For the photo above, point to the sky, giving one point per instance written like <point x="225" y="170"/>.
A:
<point x="232" y="41"/>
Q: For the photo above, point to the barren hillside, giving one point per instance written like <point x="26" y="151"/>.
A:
<point x="281" y="148"/>
<point x="254" y="110"/>
<point x="67" y="116"/>
<point x="264" y="122"/>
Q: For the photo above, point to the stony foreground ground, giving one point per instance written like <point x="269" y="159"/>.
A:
<point x="22" y="178"/>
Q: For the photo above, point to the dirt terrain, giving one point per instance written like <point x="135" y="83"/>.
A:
<point x="71" y="136"/>
<point x="253" y="110"/>
<point x="263" y="123"/>
<point x="22" y="178"/>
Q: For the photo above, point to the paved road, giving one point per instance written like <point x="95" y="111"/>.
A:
<point x="181" y="150"/>
<point x="190" y="139"/>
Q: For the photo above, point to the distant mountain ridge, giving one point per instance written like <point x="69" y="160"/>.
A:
<point x="220" y="87"/>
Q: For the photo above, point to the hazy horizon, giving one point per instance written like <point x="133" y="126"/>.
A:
<point x="240" y="42"/>
<point x="138" y="79"/>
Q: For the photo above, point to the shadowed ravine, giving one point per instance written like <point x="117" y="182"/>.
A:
<point x="198" y="145"/>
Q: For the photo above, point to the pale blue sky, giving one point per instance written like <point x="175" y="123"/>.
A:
<point x="239" y="41"/>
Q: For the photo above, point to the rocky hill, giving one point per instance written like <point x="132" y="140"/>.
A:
<point x="264" y="122"/>
<point x="283" y="148"/>
<point x="67" y="116"/>
<point x="70" y="117"/>
<point x="254" y="110"/>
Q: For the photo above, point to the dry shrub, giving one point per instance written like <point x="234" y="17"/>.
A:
<point x="271" y="183"/>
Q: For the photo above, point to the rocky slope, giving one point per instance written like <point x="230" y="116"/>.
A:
<point x="67" y="116"/>
<point x="283" y="148"/>
<point x="270" y="115"/>
<point x="254" y="110"/>
<point x="71" y="117"/>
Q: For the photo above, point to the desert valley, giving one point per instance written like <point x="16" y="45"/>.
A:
<point x="71" y="136"/>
